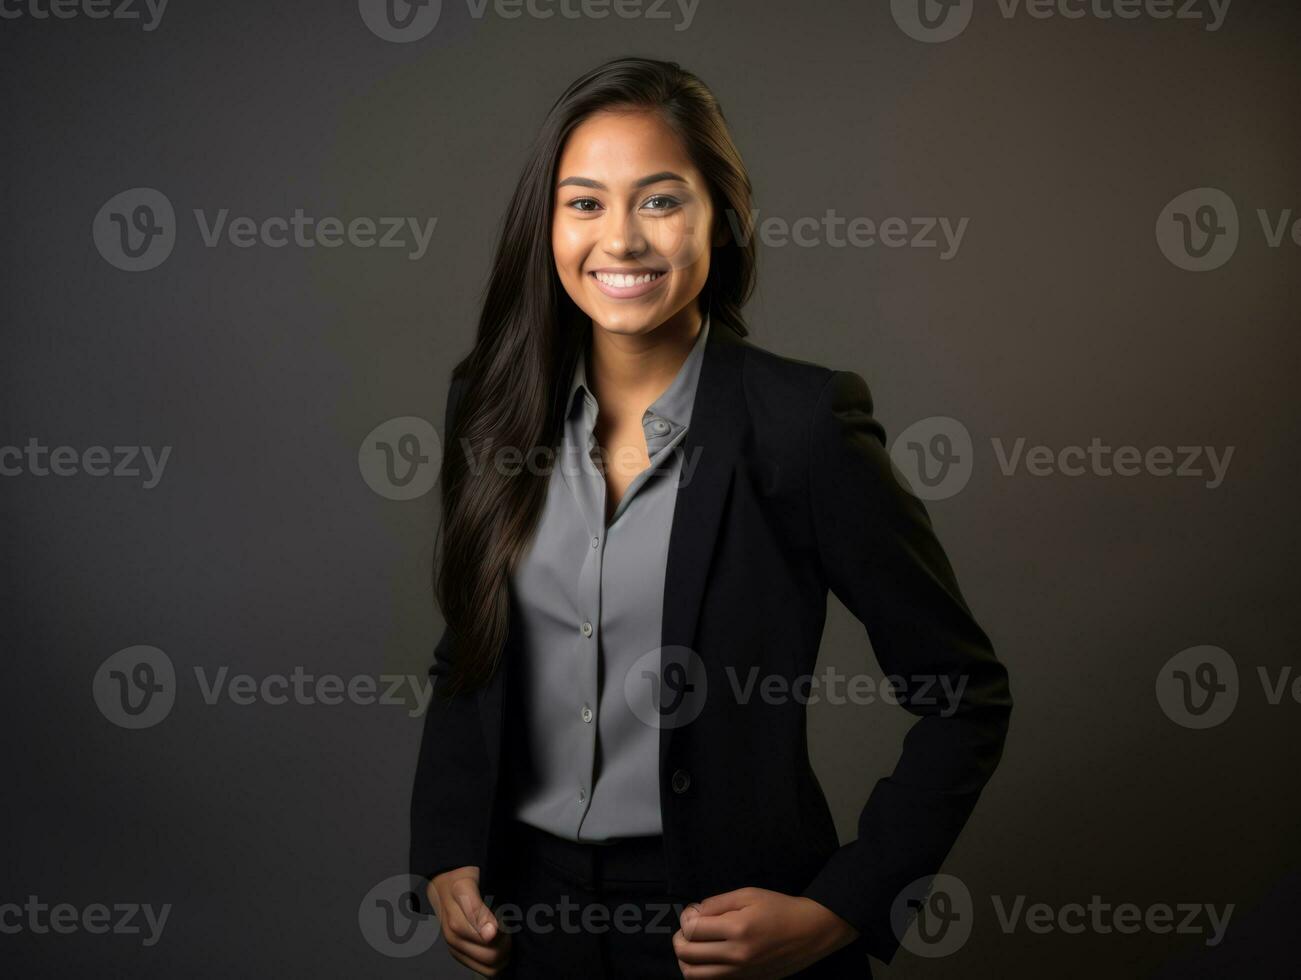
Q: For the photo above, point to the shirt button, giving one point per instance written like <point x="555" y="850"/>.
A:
<point x="587" y="629"/>
<point x="681" y="780"/>
<point x="659" y="426"/>
<point x="587" y="713"/>
<point x="582" y="796"/>
<point x="596" y="542"/>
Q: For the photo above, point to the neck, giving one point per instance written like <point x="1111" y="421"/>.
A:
<point x="629" y="371"/>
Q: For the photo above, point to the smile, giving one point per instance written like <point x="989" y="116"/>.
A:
<point x="626" y="286"/>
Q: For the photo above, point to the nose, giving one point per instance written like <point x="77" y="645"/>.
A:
<point x="623" y="237"/>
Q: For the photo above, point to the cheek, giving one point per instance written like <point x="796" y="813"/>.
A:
<point x="682" y="239"/>
<point x="567" y="248"/>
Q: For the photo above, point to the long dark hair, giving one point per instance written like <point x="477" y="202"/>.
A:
<point x="530" y="336"/>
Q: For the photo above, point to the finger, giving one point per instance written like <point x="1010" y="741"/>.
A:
<point x="728" y="953"/>
<point x="475" y="914"/>
<point x="727" y="901"/>
<point x="698" y="928"/>
<point x="472" y="951"/>
<point x="460" y="931"/>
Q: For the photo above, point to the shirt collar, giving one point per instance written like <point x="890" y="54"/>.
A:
<point x="674" y="405"/>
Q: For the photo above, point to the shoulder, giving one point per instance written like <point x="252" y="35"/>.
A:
<point x="804" y="398"/>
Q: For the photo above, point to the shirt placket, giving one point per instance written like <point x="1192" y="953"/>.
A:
<point x="591" y="486"/>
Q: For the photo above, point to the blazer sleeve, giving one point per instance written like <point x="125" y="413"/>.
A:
<point x="881" y="558"/>
<point x="451" y="794"/>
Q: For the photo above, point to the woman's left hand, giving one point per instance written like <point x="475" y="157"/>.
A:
<point x="754" y="932"/>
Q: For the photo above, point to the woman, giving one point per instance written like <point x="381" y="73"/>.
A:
<point x="642" y="515"/>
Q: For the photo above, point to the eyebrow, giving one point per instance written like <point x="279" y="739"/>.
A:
<point x="652" y="179"/>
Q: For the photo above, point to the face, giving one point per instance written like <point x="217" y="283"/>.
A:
<point x="632" y="221"/>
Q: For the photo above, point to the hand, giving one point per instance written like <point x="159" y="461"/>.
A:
<point x="474" y="936"/>
<point x="754" y="932"/>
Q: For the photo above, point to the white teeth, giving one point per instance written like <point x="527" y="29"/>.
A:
<point x="622" y="281"/>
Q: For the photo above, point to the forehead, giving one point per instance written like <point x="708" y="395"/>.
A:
<point x="623" y="145"/>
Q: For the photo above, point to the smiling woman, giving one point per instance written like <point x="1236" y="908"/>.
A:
<point x="585" y="755"/>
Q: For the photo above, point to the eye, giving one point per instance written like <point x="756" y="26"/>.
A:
<point x="585" y="204"/>
<point x="667" y="203"/>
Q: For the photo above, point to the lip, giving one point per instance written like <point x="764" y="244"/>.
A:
<point x="629" y="292"/>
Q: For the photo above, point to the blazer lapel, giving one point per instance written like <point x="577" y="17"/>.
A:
<point x="712" y="446"/>
<point x="710" y="449"/>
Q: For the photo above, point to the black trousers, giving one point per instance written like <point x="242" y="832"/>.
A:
<point x="600" y="911"/>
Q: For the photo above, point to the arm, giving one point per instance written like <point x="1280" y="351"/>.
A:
<point x="883" y="561"/>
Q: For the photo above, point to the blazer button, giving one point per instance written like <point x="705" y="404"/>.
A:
<point x="681" y="780"/>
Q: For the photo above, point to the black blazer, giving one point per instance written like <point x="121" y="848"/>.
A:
<point x="793" y="493"/>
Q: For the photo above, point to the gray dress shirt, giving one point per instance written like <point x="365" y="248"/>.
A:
<point x="588" y="601"/>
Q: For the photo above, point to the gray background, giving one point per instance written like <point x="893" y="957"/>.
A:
<point x="263" y="549"/>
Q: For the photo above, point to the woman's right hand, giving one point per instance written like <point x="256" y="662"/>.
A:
<point x="473" y="934"/>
